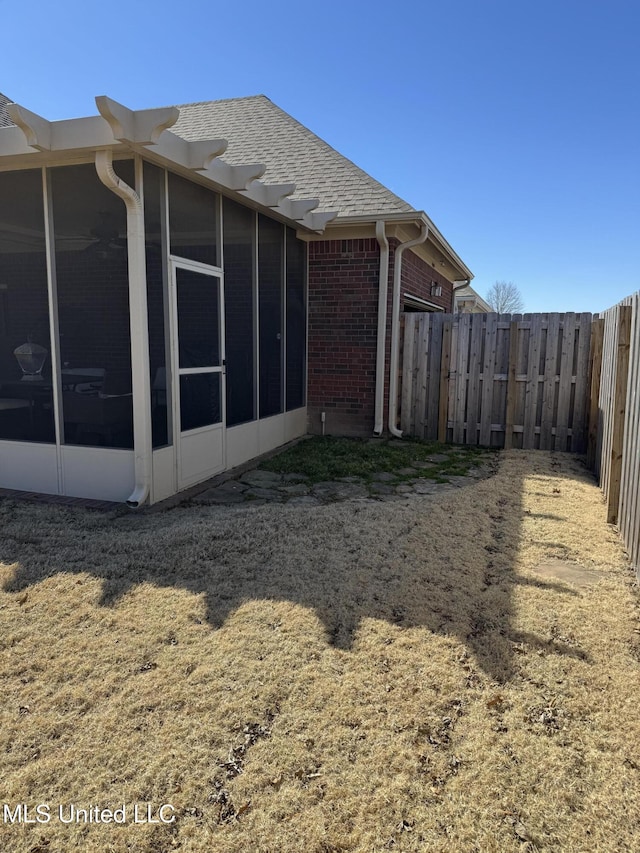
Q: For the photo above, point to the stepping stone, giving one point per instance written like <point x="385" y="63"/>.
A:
<point x="407" y="472"/>
<point x="383" y="477"/>
<point x="458" y="481"/>
<point x="425" y="487"/>
<point x="336" y="491"/>
<point x="219" y="496"/>
<point x="350" y="479"/>
<point x="232" y="486"/>
<point x="381" y="489"/>
<point x="571" y="573"/>
<point x="438" y="457"/>
<point x="404" y="489"/>
<point x="294" y="478"/>
<point x="423" y="465"/>
<point x="294" y="489"/>
<point x="304" y="500"/>
<point x="261" y="478"/>
<point x="264" y="494"/>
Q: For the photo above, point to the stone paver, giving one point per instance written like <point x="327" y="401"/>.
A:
<point x="404" y="489"/>
<point x="294" y="489"/>
<point x="407" y="472"/>
<point x="305" y="500"/>
<point x="257" y="487"/>
<point x="382" y="489"/>
<point x="266" y="494"/>
<point x="261" y="478"/>
<point x="336" y="491"/>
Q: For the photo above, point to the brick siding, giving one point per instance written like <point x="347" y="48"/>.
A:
<point x="343" y="326"/>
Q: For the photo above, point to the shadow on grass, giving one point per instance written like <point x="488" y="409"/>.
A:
<point x="444" y="564"/>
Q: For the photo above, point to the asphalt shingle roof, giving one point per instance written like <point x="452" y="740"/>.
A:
<point x="258" y="131"/>
<point x="5" y="121"/>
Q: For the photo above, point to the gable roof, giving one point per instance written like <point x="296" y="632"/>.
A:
<point x="259" y="131"/>
<point x="5" y="121"/>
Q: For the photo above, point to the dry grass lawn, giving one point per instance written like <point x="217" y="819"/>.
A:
<point x="352" y="677"/>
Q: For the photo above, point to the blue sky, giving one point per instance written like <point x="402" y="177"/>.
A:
<point x="514" y="124"/>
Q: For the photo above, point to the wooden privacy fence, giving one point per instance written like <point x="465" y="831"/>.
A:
<point x="614" y="422"/>
<point x="497" y="380"/>
<point x="535" y="381"/>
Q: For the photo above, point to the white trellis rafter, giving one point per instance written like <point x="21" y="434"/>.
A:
<point x="141" y="130"/>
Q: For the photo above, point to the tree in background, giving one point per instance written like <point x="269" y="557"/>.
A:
<point x="505" y="298"/>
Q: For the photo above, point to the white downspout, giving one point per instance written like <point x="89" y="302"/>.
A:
<point x="395" y="325"/>
<point x="138" y="323"/>
<point x="383" y="290"/>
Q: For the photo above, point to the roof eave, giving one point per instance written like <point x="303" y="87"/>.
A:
<point x="414" y="217"/>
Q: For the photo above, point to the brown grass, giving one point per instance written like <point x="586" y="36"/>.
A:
<point x="353" y="677"/>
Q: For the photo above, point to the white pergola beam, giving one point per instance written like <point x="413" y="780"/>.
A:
<point x="318" y="221"/>
<point x="269" y="195"/>
<point x="203" y="152"/>
<point x="37" y="130"/>
<point x="234" y="177"/>
<point x="13" y="142"/>
<point x="298" y="208"/>
<point x="141" y="127"/>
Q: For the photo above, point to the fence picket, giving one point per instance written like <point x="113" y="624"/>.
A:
<point x="408" y="368"/>
<point x="549" y="390"/>
<point x="491" y="331"/>
<point x="435" y="359"/>
<point x="566" y="375"/>
<point x="533" y="385"/>
<point x="579" y="417"/>
<point x="422" y="355"/>
<point x="464" y="327"/>
<point x="473" y="389"/>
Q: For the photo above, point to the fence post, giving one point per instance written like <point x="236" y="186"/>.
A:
<point x="511" y="386"/>
<point x="443" y="402"/>
<point x="619" y="404"/>
<point x="595" y="373"/>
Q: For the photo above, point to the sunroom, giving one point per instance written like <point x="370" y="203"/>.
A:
<point x="152" y="307"/>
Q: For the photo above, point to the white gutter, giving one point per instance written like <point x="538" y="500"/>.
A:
<point x="395" y="325"/>
<point x="410" y="218"/>
<point x="383" y="290"/>
<point x="138" y="324"/>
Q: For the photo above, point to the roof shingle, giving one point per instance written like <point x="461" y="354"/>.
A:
<point x="259" y="131"/>
<point x="5" y="121"/>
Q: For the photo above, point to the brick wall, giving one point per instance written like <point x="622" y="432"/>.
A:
<point x="343" y="325"/>
<point x="417" y="278"/>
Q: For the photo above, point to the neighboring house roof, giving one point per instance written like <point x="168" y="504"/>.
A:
<point x="468" y="294"/>
<point x="5" y="121"/>
<point x="259" y="131"/>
